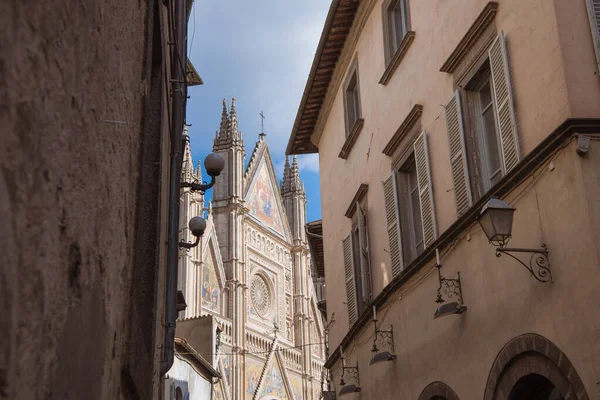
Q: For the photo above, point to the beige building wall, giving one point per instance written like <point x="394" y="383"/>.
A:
<point x="542" y="101"/>
<point x="553" y="71"/>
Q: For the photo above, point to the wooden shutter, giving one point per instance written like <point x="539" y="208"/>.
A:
<point x="594" y="13"/>
<point x="425" y="189"/>
<point x="390" y="193"/>
<point x="350" y="286"/>
<point x="365" y="265"/>
<point x="458" y="155"/>
<point x="503" y="101"/>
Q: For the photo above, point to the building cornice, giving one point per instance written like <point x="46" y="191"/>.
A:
<point x="409" y="122"/>
<point x="528" y="165"/>
<point x="468" y="41"/>
<point x="358" y="196"/>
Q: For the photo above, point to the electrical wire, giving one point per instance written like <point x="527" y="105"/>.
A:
<point x="279" y="348"/>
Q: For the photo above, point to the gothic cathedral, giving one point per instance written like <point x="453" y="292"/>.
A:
<point x="251" y="274"/>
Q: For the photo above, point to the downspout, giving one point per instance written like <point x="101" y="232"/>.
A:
<point x="179" y="96"/>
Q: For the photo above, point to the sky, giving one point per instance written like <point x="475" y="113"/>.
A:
<point x="259" y="52"/>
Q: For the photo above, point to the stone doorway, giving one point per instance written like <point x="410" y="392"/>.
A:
<point x="535" y="387"/>
<point x="533" y="368"/>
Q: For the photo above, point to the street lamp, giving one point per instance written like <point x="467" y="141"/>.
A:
<point x="197" y="226"/>
<point x="496" y="219"/>
<point x="213" y="164"/>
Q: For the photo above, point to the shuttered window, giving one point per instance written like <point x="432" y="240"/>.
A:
<point x="485" y="145"/>
<point x="458" y="156"/>
<point x="392" y="206"/>
<point x="503" y="100"/>
<point x="425" y="189"/>
<point x="349" y="276"/>
<point x="594" y="13"/>
<point x="365" y="266"/>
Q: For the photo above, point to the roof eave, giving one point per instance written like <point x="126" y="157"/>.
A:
<point x="311" y="77"/>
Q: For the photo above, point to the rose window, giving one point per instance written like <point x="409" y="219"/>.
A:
<point x="261" y="298"/>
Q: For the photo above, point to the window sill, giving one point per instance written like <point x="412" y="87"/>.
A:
<point x="395" y="61"/>
<point x="351" y="139"/>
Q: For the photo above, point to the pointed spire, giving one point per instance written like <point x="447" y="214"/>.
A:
<point x="224" y="121"/>
<point x="199" y="171"/>
<point x="187" y="167"/>
<point x="233" y="122"/>
<point x="285" y="182"/>
<point x="295" y="183"/>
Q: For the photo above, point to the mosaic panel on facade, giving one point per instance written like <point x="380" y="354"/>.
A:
<point x="253" y="371"/>
<point x="262" y="202"/>
<point x="296" y="384"/>
<point x="273" y="387"/>
<point x="211" y="290"/>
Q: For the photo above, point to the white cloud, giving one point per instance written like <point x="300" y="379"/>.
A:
<point x="309" y="162"/>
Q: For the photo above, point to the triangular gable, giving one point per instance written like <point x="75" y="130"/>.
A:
<point x="275" y="384"/>
<point x="213" y="274"/>
<point x="262" y="193"/>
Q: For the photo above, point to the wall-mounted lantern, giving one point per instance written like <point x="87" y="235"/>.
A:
<point x="213" y="164"/>
<point x="451" y="287"/>
<point x="385" y="339"/>
<point x="197" y="226"/>
<point x="352" y="374"/>
<point x="496" y="219"/>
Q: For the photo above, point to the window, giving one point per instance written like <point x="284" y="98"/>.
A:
<point x="352" y="98"/>
<point x="482" y="130"/>
<point x="410" y="216"/>
<point x="356" y="258"/>
<point x="395" y="25"/>
<point x="480" y="98"/>
<point x="352" y="111"/>
<point x="410" y="213"/>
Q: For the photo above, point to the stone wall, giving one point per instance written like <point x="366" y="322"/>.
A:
<point x="74" y="91"/>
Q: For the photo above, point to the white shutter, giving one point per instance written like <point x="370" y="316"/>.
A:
<point x="503" y="101"/>
<point x="365" y="265"/>
<point x="458" y="155"/>
<point x="350" y="286"/>
<point x="594" y="13"/>
<point x="390" y="193"/>
<point x="425" y="189"/>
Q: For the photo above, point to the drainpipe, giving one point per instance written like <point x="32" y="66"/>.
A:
<point x="179" y="94"/>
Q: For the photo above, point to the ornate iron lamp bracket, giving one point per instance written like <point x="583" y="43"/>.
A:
<point x="451" y="287"/>
<point x="539" y="262"/>
<point x="188" y="245"/>
<point x="350" y="372"/>
<point x="199" y="187"/>
<point x="385" y="338"/>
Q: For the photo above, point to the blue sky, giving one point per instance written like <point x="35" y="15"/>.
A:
<point x="259" y="52"/>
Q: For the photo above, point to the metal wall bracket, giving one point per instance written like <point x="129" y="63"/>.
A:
<point x="539" y="262"/>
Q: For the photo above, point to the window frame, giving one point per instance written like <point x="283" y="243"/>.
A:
<point x="390" y="33"/>
<point x="407" y="218"/>
<point x="352" y="98"/>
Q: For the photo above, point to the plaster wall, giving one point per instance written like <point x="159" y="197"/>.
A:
<point x="190" y="381"/>
<point x="549" y="44"/>
<point x="74" y="107"/>
<point x="503" y="300"/>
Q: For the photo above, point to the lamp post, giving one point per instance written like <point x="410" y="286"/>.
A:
<point x="496" y="220"/>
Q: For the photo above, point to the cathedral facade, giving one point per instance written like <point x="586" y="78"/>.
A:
<point x="251" y="274"/>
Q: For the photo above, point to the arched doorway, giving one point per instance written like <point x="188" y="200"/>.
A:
<point x="533" y="368"/>
<point x="438" y="391"/>
<point x="535" y="387"/>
